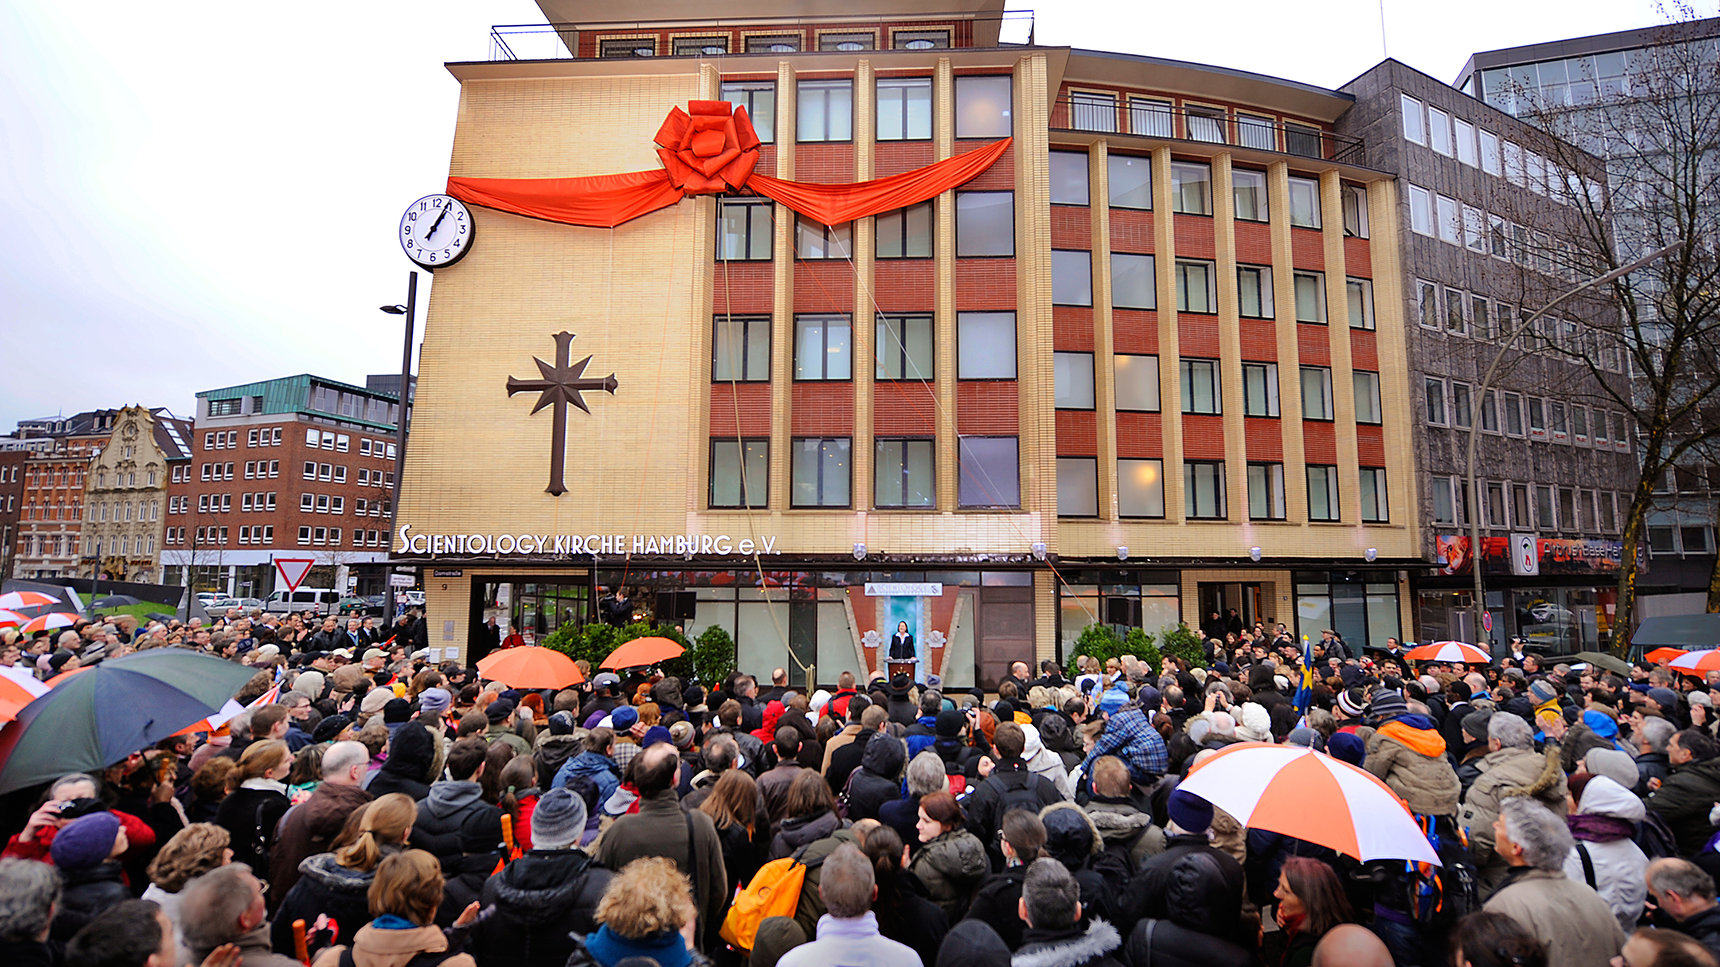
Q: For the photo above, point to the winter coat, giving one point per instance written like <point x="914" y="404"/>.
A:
<point x="253" y="951"/>
<point x="997" y="903"/>
<point x="907" y="916"/>
<point x="1149" y="892"/>
<point x="1408" y="754"/>
<point x="410" y="754"/>
<point x="660" y="828"/>
<point x="1505" y="773"/>
<point x="801" y="830"/>
<point x="372" y="947"/>
<point x="499" y="732"/>
<point x="308" y="829"/>
<point x="449" y="806"/>
<point x="1705" y="928"/>
<point x="773" y="785"/>
<point x="1010" y="783"/>
<point x="85" y="895"/>
<point x="921" y="735"/>
<point x="325" y="886"/>
<point x="951" y="866"/>
<point x="837" y="741"/>
<point x="1618" y="863"/>
<point x="1572" y="922"/>
<point x="1684" y="798"/>
<point x="540" y="899"/>
<point x="903" y="816"/>
<point x="846" y="758"/>
<point x="743" y="852"/>
<point x="1126" y="830"/>
<point x="1099" y="945"/>
<point x="1048" y="765"/>
<point x="249" y="815"/>
<point x="902" y="711"/>
<point x="1651" y="765"/>
<point x="463" y="878"/>
<point x="1197" y="932"/>
<point x="599" y="768"/>
<point x="553" y="751"/>
<point x="878" y="780"/>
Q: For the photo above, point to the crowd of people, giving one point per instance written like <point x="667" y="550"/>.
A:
<point x="386" y="811"/>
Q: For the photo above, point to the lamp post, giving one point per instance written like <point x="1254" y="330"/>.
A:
<point x="1477" y="506"/>
<point x="408" y="310"/>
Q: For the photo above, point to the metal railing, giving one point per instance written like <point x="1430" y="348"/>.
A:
<point x="717" y="37"/>
<point x="1152" y="118"/>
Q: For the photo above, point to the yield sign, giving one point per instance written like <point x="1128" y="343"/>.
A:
<point x="294" y="569"/>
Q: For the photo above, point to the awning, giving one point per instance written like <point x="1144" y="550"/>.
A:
<point x="1688" y="631"/>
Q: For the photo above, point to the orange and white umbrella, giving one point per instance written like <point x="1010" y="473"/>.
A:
<point x="1294" y="791"/>
<point x="11" y="619"/>
<point x="1696" y="662"/>
<point x="1449" y="651"/>
<point x="1664" y="654"/>
<point x="27" y="599"/>
<point x="49" y="622"/>
<point x="17" y="691"/>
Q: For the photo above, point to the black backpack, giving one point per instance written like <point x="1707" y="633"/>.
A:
<point x="1443" y="894"/>
<point x="1654" y="837"/>
<point x="1018" y="793"/>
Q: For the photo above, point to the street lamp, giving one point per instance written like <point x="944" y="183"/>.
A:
<point x="409" y="310"/>
<point x="1477" y="506"/>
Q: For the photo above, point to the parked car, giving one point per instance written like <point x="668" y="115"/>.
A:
<point x="321" y="600"/>
<point x="370" y="605"/>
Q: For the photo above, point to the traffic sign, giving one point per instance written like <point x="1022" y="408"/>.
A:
<point x="1487" y="621"/>
<point x="401" y="580"/>
<point x="294" y="569"/>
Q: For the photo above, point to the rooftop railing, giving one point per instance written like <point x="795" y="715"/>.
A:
<point x="1151" y="118"/>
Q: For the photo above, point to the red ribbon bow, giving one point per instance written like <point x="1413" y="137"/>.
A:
<point x="709" y="148"/>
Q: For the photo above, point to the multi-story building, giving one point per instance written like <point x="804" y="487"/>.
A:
<point x="297" y="467"/>
<point x="1604" y="92"/>
<point x="125" y="495"/>
<point x="11" y="504"/>
<point x="1482" y="198"/>
<point x="53" y="498"/>
<point x="1147" y="364"/>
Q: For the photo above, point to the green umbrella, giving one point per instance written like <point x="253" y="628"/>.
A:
<point x="97" y="717"/>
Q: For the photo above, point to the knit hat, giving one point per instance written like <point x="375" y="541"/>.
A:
<point x="777" y="936"/>
<point x="1347" y="747"/>
<point x="498" y="711"/>
<point x="949" y="724"/>
<point x="435" y="701"/>
<point x="1113" y="700"/>
<point x="397" y="710"/>
<point x="330" y="727"/>
<point x="558" y="820"/>
<point x="1034" y="744"/>
<point x="623" y="718"/>
<point x="681" y="733"/>
<point x="1387" y="705"/>
<point x="1475" y="724"/>
<point x="970" y="943"/>
<point x="85" y="842"/>
<point x="817" y="701"/>
<point x="1614" y="764"/>
<point x="1256" y="723"/>
<point x="1666" y="698"/>
<point x="1308" y="737"/>
<point x="654" y="735"/>
<point x="1190" y="812"/>
<point x="561" y="723"/>
<point x="1148" y="698"/>
<point x="1699" y="698"/>
<point x="375" y="699"/>
<point x="1542" y="691"/>
<point x="1351" y="703"/>
<point x="1004" y="710"/>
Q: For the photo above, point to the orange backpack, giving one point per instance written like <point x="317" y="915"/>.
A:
<point x="773" y="892"/>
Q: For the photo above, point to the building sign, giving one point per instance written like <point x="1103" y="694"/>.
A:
<point x="883" y="589"/>
<point x="1526" y="555"/>
<point x="563" y="545"/>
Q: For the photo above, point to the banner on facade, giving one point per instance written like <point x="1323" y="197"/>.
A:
<point x="1526" y="555"/>
<point x="887" y="589"/>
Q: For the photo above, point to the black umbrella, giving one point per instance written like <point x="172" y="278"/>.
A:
<point x="115" y="601"/>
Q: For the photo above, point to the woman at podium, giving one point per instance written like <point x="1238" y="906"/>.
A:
<point x="902" y="643"/>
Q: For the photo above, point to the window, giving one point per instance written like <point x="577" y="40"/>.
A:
<point x="1460" y="405"/>
<point x="1191" y="188"/>
<point x="1434" y="391"/>
<point x="1151" y="117"/>
<point x="862" y="40"/>
<point x="743" y="230"/>
<point x="825" y="110"/>
<point x="1371" y="484"/>
<point x="1254" y="291"/>
<point x="985" y="223"/>
<point x="1302" y="139"/>
<point x="1490" y="411"/>
<point x="985" y="345"/>
<point x="1069" y="178"/>
<point x="1454" y="321"/>
<point x="1129" y="181"/>
<point x="821" y="473"/>
<point x="740" y="349"/>
<point x="1443" y="510"/>
<point x="627" y="47"/>
<point x="1556" y="419"/>
<point x="983" y="106"/>
<point x="1512" y="404"/>
<point x="1194" y="282"/>
<point x="1355" y="201"/>
<point x="1266" y="491"/>
<point x="1537" y="418"/>
<point x="905" y="233"/>
<point x="1259" y="389"/>
<point x="1580" y="425"/>
<point x="1310" y="297"/>
<point x="823" y="347"/>
<point x="1445" y="210"/>
<point x="1439" y="131"/>
<point x="1077" y="487"/>
<point x="304" y="535"/>
<point x="1071" y="278"/>
<point x="1316" y="393"/>
<point x="903" y="474"/>
<point x="342" y="443"/>
<point x="1205" y="123"/>
<point x="696" y="46"/>
<point x="251" y="438"/>
<point x="1203" y="490"/>
<point x="1466" y="143"/>
<point x="1520" y="506"/>
<point x="1489" y="152"/>
<point x="1249" y="189"/>
<point x="921" y="39"/>
<point x="904" y="108"/>
<point x="990" y="472"/>
<point x="1073" y="380"/>
<point x="1475" y="229"/>
<point x="1322" y="493"/>
<point x="759" y="98"/>
<point x="1140" y="488"/>
<point x="307" y="503"/>
<point x="1092" y="111"/>
<point x="1498" y="242"/>
<point x="1253" y="131"/>
<point x="1360" y="293"/>
<point x="1414" y="121"/>
<point x="1305" y="202"/>
<point x="1420" y="210"/>
<point x="1134" y="282"/>
<point x="1544" y="514"/>
<point x="740" y="473"/>
<point x="1137" y="379"/>
<point x="815" y="240"/>
<point x="1620" y="439"/>
<point x="1590" y="522"/>
<point x="1200" y="393"/>
<point x="310" y="471"/>
<point x="1367" y="396"/>
<point x="1480" y="316"/>
<point x="904" y="347"/>
<point x="337" y="505"/>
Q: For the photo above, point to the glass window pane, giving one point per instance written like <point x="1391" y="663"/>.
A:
<point x="1203" y="490"/>
<point x="1194" y="287"/>
<point x="1140" y="488"/>
<point x="1367" y="387"/>
<point x="759" y="98"/>
<point x="985" y="223"/>
<point x="1077" y="487"/>
<point x="1360" y="293"/>
<point x="1256" y="132"/>
<point x="1090" y="111"/>
<point x="1266" y="491"/>
<point x="1150" y="118"/>
<point x="1249" y="188"/>
<point x="1260" y="389"/>
<point x="903" y="474"/>
<point x="826" y="110"/>
<point x="985" y="345"/>
<point x="1305" y="202"/>
<point x="1254" y="291"/>
<point x="1191" y="188"/>
<point x="983" y="107"/>
<point x="1137" y="382"/>
<point x="1130" y="181"/>
<point x="990" y="472"/>
<point x="903" y="346"/>
<point x="1133" y="281"/>
<point x="1073" y="380"/>
<point x="1068" y="178"/>
<point x="1310" y="297"/>
<point x="904" y="108"/>
<point x="1071" y="278"/>
<point x="905" y="233"/>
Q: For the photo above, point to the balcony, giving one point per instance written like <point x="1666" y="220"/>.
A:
<point x="729" y="36"/>
<point x="1160" y="120"/>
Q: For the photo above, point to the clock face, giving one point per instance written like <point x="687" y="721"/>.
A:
<point x="436" y="231"/>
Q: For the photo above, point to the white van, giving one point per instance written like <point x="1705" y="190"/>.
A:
<point x="324" y="600"/>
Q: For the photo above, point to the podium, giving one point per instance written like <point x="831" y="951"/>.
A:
<point x="902" y="666"/>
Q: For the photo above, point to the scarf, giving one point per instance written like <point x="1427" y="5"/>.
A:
<point x="668" y="948"/>
<point x="1592" y="828"/>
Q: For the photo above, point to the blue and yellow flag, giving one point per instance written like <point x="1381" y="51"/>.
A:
<point x="1305" y="690"/>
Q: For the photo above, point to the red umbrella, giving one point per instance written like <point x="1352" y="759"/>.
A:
<point x="1662" y="655"/>
<point x="530" y="667"/>
<point x="50" y="621"/>
<point x="642" y="651"/>
<point x="1449" y="651"/>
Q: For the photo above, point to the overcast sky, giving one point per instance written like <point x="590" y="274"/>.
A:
<point x="196" y="194"/>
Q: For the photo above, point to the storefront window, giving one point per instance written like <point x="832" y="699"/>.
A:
<point x="1363" y="613"/>
<point x="1150" y="601"/>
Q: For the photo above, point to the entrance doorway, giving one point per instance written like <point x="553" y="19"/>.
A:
<point x="1248" y="598"/>
<point x="534" y="607"/>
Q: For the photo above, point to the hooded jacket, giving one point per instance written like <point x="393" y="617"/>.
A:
<point x="996" y="903"/>
<point x="951" y="866"/>
<point x="1505" y="773"/>
<point x="87" y="893"/>
<point x="1099" y="945"/>
<point x="1125" y="830"/>
<point x="325" y="886"/>
<point x="1619" y="865"/>
<point x="878" y="780"/>
<point x="409" y="756"/>
<point x="449" y="806"/>
<point x="540" y="899"/>
<point x="1408" y="754"/>
<point x="801" y="830"/>
<point x="599" y="768"/>
<point x="1010" y="784"/>
<point x="553" y="751"/>
<point x="1684" y="798"/>
<point x="1149" y="893"/>
<point x="1572" y="922"/>
<point x="1046" y="763"/>
<point x="1195" y="933"/>
<point x="373" y="947"/>
<point x="308" y="829"/>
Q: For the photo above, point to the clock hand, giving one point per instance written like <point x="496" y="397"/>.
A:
<point x="436" y="224"/>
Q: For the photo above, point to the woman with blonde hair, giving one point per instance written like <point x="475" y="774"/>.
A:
<point x="402" y="901"/>
<point x="192" y="852"/>
<point x="647" y="912"/>
<point x="743" y="827"/>
<point x="256" y="802"/>
<point x="338" y="882"/>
